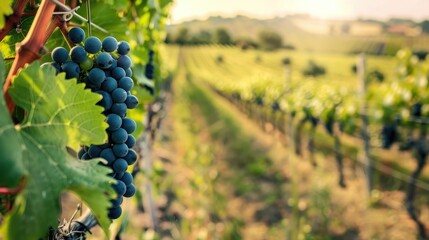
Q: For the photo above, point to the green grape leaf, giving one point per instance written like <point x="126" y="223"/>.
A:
<point x="106" y="16"/>
<point x="60" y="113"/>
<point x="7" y="45"/>
<point x="5" y="10"/>
<point x="11" y="167"/>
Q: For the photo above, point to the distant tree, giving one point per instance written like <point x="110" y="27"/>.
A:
<point x="376" y="76"/>
<point x="222" y="36"/>
<point x="205" y="36"/>
<point x="202" y="37"/>
<point x="425" y="26"/>
<point x="286" y="61"/>
<point x="168" y="39"/>
<point x="270" y="40"/>
<point x="354" y="68"/>
<point x="182" y="37"/>
<point x="313" y="69"/>
<point x="246" y="43"/>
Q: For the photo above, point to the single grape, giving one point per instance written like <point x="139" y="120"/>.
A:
<point x="118" y="73"/>
<point x="55" y="65"/>
<point x="131" y="102"/>
<point x="108" y="154"/>
<point x="119" y="108"/>
<point x="131" y="190"/>
<point x="80" y="153"/>
<point x="92" y="45"/>
<point x="149" y="71"/>
<point x="129" y="125"/>
<point x="94" y="151"/>
<point x="105" y="145"/>
<point x="120" y="187"/>
<point x="114" y="122"/>
<point x="96" y="76"/>
<point x="119" y="175"/>
<point x="131" y="141"/>
<point x="114" y="212"/>
<point x="109" y="84"/>
<point x="114" y="64"/>
<point x="60" y="55"/>
<point x="119" y="95"/>
<point x="120" y="150"/>
<point x="104" y="60"/>
<point x="76" y="35"/>
<point x="106" y="101"/>
<point x="86" y="156"/>
<point x="128" y="72"/>
<point x="131" y="157"/>
<point x="71" y="69"/>
<point x="87" y="64"/>
<point x="119" y="136"/>
<point x="109" y="44"/>
<point x="120" y="165"/>
<point x="117" y="202"/>
<point x="124" y="62"/>
<point x="126" y="83"/>
<point x="78" y="54"/>
<point x="127" y="178"/>
<point x="91" y="85"/>
<point x="107" y="73"/>
<point x="123" y="48"/>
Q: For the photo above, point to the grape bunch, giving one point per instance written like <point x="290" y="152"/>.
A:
<point x="105" y="68"/>
<point x="149" y="72"/>
<point x="388" y="135"/>
<point x="150" y="68"/>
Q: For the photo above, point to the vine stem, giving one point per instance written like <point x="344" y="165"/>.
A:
<point x="421" y="155"/>
<point x="146" y="152"/>
<point x="29" y="49"/>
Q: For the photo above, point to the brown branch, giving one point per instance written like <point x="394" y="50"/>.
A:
<point x="33" y="4"/>
<point x="64" y="30"/>
<point x="29" y="49"/>
<point x="421" y="152"/>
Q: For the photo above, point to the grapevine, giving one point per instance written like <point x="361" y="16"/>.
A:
<point x="79" y="99"/>
<point x="378" y="117"/>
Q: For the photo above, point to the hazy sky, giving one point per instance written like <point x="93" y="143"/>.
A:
<point x="187" y="9"/>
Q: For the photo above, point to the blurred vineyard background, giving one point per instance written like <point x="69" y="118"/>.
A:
<point x="289" y="128"/>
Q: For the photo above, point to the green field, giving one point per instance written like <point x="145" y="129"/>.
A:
<point x="246" y="65"/>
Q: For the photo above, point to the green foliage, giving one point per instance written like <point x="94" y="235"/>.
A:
<point x="246" y="43"/>
<point x="222" y="36"/>
<point x="60" y="113"/>
<point x="202" y="37"/>
<point x="11" y="167"/>
<point x="270" y="40"/>
<point x="375" y="76"/>
<point x="312" y="69"/>
<point x="286" y="61"/>
<point x="106" y="16"/>
<point x="182" y="36"/>
<point x="425" y="26"/>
